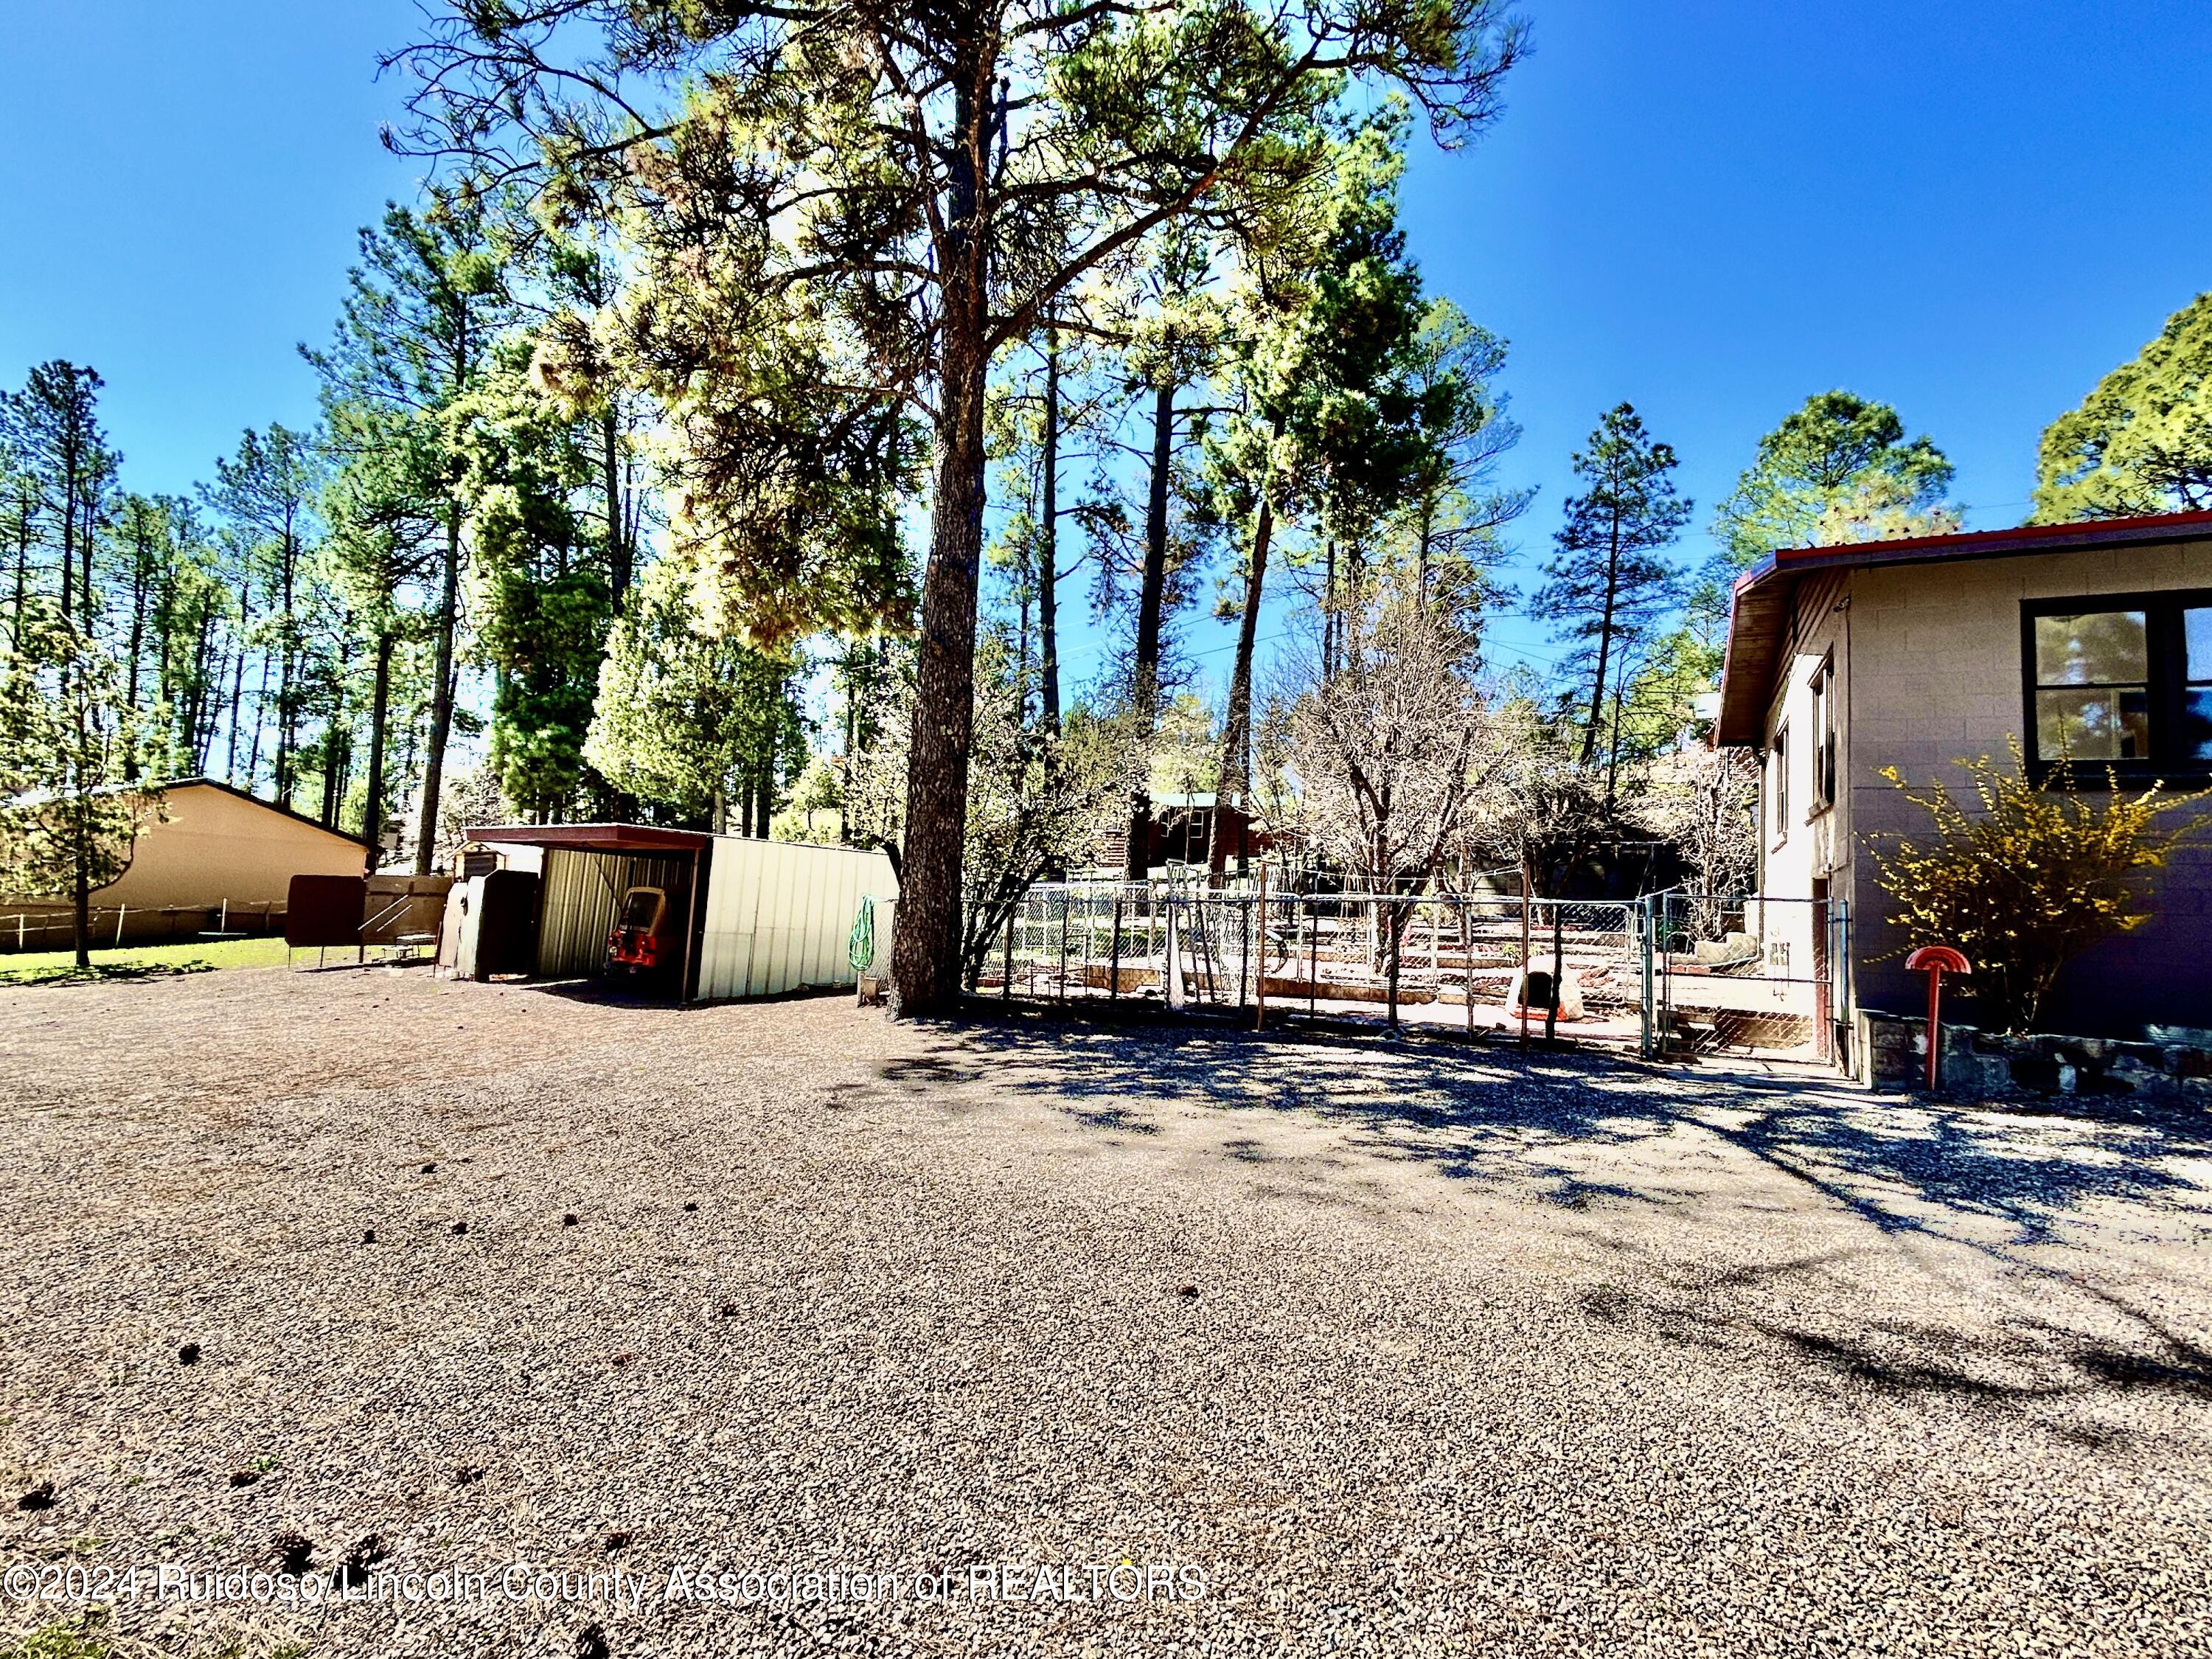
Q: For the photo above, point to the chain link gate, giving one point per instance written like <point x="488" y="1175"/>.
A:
<point x="1749" y="975"/>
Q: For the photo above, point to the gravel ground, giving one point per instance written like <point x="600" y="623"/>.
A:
<point x="1359" y="1347"/>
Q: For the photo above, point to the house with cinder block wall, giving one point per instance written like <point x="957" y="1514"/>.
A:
<point x="2089" y="640"/>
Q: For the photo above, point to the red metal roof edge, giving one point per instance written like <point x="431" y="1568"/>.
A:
<point x="2014" y="540"/>
<point x="611" y="835"/>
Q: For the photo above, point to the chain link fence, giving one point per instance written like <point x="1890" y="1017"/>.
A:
<point x="1750" y="976"/>
<point x="1480" y="962"/>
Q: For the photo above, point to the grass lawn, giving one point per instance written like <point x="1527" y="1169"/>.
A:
<point x="143" y="961"/>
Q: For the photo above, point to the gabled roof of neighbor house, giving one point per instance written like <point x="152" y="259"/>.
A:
<point x="1760" y="612"/>
<point x="168" y="785"/>
<point x="316" y="824"/>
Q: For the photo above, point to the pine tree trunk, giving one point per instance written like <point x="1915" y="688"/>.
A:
<point x="1048" y="542"/>
<point x="1237" y="726"/>
<point x="80" y="912"/>
<point x="1151" y="598"/>
<point x="372" y="811"/>
<point x="80" y="810"/>
<point x="22" y="567"/>
<point x="237" y="697"/>
<point x="1613" y="758"/>
<point x="260" y="708"/>
<point x="287" y="714"/>
<point x="200" y="732"/>
<point x="69" y="534"/>
<point x="1328" y="613"/>
<point x="926" y="941"/>
<point x="925" y="945"/>
<point x="85" y="543"/>
<point x="338" y="756"/>
<point x="618" y="548"/>
<point x="442" y="698"/>
<point x="136" y="646"/>
<point x="1604" y="641"/>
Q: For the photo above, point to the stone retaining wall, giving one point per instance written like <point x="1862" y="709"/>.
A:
<point x="1979" y="1065"/>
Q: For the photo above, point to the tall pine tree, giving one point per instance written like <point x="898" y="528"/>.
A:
<point x="1609" y="585"/>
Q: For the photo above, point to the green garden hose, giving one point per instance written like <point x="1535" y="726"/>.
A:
<point x="860" y="948"/>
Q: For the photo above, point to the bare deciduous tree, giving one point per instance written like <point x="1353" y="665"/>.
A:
<point x="1392" y="749"/>
<point x="1705" y="802"/>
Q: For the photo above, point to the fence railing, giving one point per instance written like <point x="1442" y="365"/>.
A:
<point x="49" y="927"/>
<point x="1671" y="974"/>
<point x="1482" y="962"/>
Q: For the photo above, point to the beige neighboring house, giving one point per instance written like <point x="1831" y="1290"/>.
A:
<point x="2092" y="640"/>
<point x="218" y="858"/>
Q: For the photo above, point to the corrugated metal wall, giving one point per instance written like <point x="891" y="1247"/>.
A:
<point x="582" y="892"/>
<point x="778" y="915"/>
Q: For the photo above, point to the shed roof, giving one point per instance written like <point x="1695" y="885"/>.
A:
<point x="1759" y="612"/>
<point x="592" y="837"/>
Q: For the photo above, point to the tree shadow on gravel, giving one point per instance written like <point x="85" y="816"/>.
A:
<point x="1527" y="1121"/>
<point x="2030" y="1365"/>
<point x="1580" y="1131"/>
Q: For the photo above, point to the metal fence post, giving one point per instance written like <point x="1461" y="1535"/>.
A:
<point x="1244" y="953"/>
<point x="1006" y="977"/>
<point x="1313" y="958"/>
<point x="1259" y="982"/>
<point x="1114" y="958"/>
<point x="1645" y="912"/>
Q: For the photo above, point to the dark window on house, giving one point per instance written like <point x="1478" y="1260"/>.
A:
<point x="1778" y="764"/>
<point x="2122" y="683"/>
<point x="2196" y="673"/>
<point x="1824" y="736"/>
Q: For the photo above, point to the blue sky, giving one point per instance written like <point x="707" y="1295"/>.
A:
<point x="1970" y="209"/>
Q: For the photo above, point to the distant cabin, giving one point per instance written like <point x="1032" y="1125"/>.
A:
<point x="219" y="860"/>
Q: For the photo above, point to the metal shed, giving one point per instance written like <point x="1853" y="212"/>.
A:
<point x="780" y="914"/>
<point x="762" y="917"/>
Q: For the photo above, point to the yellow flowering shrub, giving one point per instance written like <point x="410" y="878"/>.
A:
<point x="2022" y="876"/>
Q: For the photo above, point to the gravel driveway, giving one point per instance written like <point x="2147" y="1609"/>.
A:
<point x="1339" y="1348"/>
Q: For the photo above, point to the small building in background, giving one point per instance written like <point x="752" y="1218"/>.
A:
<point x="1182" y="829"/>
<point x="217" y="861"/>
<point x="2087" y="644"/>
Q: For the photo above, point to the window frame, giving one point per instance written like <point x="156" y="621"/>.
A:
<point x="1777" y="767"/>
<point x="2166" y="668"/>
<point x="1827" y="780"/>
